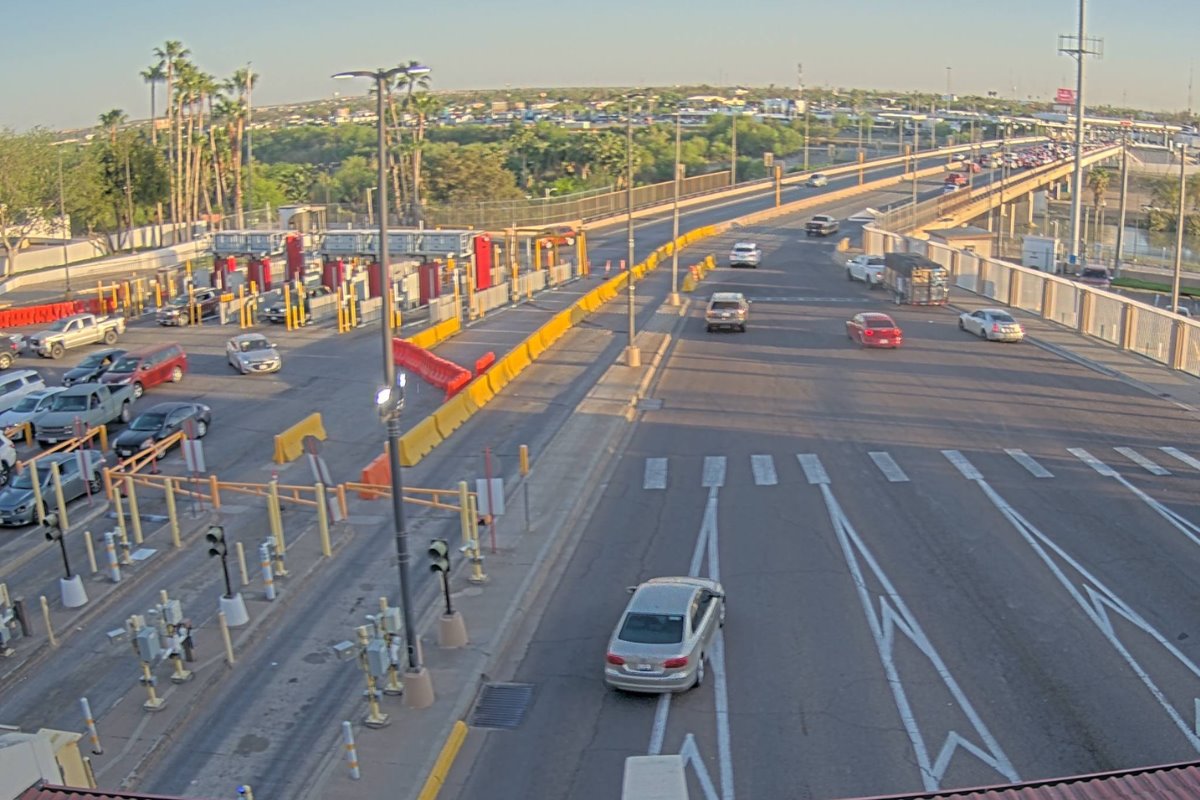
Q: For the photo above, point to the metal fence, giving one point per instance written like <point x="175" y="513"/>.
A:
<point x="1157" y="334"/>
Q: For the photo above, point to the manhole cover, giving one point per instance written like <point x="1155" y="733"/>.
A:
<point x="650" y="403"/>
<point x="501" y="705"/>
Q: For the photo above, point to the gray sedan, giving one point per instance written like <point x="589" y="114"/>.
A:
<point x="253" y="352"/>
<point x="665" y="635"/>
<point x="993" y="324"/>
<point x="17" y="500"/>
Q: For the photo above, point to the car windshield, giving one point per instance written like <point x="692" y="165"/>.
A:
<point x="723" y="305"/>
<point x="61" y="324"/>
<point x="652" y="628"/>
<point x="743" y="247"/>
<point x="150" y="421"/>
<point x="250" y="345"/>
<point x="875" y="261"/>
<point x="28" y="403"/>
<point x="70" y="402"/>
<point x="24" y="478"/>
<point x="94" y="360"/>
<point x="1095" y="273"/>
<point x="125" y="365"/>
<point x="880" y="322"/>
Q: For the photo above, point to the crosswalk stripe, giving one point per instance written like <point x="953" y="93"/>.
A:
<point x="764" y="470"/>
<point x="656" y="474"/>
<point x="1142" y="461"/>
<point x="888" y="466"/>
<point x="1178" y="454"/>
<point x="1027" y="461"/>
<point x="1092" y="461"/>
<point x="714" y="472"/>
<point x="814" y="471"/>
<point x="963" y="465"/>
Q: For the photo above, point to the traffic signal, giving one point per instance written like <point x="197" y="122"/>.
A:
<point x="439" y="556"/>
<point x="53" y="531"/>
<point x="216" y="541"/>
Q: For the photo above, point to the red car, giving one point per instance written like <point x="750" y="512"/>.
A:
<point x="956" y="179"/>
<point x="562" y="235"/>
<point x="871" y="329"/>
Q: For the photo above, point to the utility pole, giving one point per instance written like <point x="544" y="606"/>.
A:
<point x="733" y="157"/>
<point x="1078" y="47"/>
<point x="1179" y="224"/>
<point x="803" y="102"/>
<point x="633" y="356"/>
<point x="675" y="210"/>
<point x="249" y="139"/>
<point x="1120" y="246"/>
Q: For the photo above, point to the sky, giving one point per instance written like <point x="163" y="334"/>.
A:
<point x="65" y="62"/>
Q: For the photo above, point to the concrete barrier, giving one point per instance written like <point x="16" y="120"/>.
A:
<point x="451" y="415"/>
<point x="480" y="391"/>
<point x="419" y="441"/>
<point x="289" y="445"/>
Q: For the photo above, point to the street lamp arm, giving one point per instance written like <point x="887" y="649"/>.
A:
<point x="357" y="73"/>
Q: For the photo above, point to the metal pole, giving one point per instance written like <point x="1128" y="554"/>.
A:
<point x="1077" y="175"/>
<point x="633" y="358"/>
<point x="675" y="215"/>
<point x="410" y="642"/>
<point x="62" y="214"/>
<point x="1179" y="225"/>
<point x="249" y="138"/>
<point x="733" y="148"/>
<point x="915" y="163"/>
<point x="1120" y="245"/>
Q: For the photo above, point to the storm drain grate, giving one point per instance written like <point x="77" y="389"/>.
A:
<point x="650" y="403"/>
<point x="501" y="705"/>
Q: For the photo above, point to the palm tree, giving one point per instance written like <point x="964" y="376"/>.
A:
<point x="408" y="81"/>
<point x="154" y="75"/>
<point x="424" y="105"/>
<point x="241" y="83"/>
<point x="111" y="121"/>
<point x="1097" y="182"/>
<point x="170" y="56"/>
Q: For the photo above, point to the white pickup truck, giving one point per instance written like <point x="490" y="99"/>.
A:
<point x="868" y="269"/>
<point x="75" y="331"/>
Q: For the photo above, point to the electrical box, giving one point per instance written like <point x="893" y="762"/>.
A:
<point x="378" y="658"/>
<point x="146" y="642"/>
<point x="391" y="620"/>
<point x="172" y="612"/>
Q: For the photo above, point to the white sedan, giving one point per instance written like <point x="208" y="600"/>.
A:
<point x="993" y="324"/>
<point x="745" y="254"/>
<point x="252" y="352"/>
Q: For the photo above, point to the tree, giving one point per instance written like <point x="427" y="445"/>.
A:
<point x="242" y="84"/>
<point x="424" y="105"/>
<point x="469" y="173"/>
<point x="154" y="75"/>
<point x="28" y="189"/>
<point x="1097" y="182"/>
<point x="170" y="56"/>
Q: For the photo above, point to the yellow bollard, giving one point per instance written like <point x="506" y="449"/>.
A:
<point x="242" y="305"/>
<point x="537" y="254"/>
<point x="353" y="309"/>
<point x="114" y="297"/>
<point x="91" y="551"/>
<point x="121" y="529"/>
<point x="133" y="510"/>
<point x="214" y="488"/>
<point x="524" y="459"/>
<point x="172" y="515"/>
<point x="60" y="499"/>
<point x="341" y="497"/>
<point x="158" y="294"/>
<point x="287" y="307"/>
<point x="241" y="558"/>
<point x="225" y="639"/>
<point x="300" y="305"/>
<point x="464" y="512"/>
<point x="191" y="305"/>
<point x="253" y="287"/>
<point x="323" y="520"/>
<point x="46" y="620"/>
<point x="103" y="433"/>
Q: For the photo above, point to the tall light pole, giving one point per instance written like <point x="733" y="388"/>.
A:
<point x="949" y="70"/>
<point x="249" y="138"/>
<point x="633" y="356"/>
<point x="675" y="210"/>
<point x="390" y="403"/>
<point x="62" y="220"/>
<point x="1120" y="246"/>
<point x="1078" y="48"/>
<point x="733" y="147"/>
<point x="1179" y="224"/>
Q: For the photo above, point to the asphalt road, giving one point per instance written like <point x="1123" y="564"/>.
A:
<point x="895" y="622"/>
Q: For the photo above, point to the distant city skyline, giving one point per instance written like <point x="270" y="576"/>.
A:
<point x="70" y="63"/>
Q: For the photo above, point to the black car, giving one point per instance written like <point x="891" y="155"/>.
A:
<point x="275" y="311"/>
<point x="158" y="422"/>
<point x="91" y="368"/>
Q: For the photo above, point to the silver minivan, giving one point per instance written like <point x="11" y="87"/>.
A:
<point x="16" y="384"/>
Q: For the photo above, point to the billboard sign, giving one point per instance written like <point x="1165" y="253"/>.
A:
<point x="1065" y="97"/>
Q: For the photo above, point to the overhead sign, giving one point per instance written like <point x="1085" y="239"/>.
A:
<point x="1065" y="96"/>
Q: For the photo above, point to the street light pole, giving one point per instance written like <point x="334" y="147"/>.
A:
<point x="62" y="220"/>
<point x="733" y="146"/>
<point x="675" y="212"/>
<point x="1179" y="224"/>
<point x="419" y="686"/>
<point x="1120" y="245"/>
<point x="633" y="357"/>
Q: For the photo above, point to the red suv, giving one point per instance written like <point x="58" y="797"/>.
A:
<point x="148" y="367"/>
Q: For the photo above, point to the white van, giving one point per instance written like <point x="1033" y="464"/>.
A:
<point x="16" y="384"/>
<point x="654" y="778"/>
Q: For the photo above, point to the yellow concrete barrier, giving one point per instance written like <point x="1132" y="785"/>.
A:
<point x="578" y="314"/>
<point x="517" y="361"/>
<point x="534" y="346"/>
<point x="480" y="391"/>
<point x="419" y="441"/>
<point x="289" y="445"/>
<point x="451" y="415"/>
<point x="445" y="760"/>
<point x="498" y="376"/>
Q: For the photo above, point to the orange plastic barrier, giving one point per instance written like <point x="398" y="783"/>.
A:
<point x="484" y="361"/>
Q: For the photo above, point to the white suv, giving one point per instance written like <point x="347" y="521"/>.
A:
<point x="745" y="254"/>
<point x="727" y="310"/>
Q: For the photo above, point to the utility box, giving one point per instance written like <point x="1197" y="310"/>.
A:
<point x="1040" y="253"/>
<point x="378" y="658"/>
<point x="391" y="620"/>
<point x="147" y="644"/>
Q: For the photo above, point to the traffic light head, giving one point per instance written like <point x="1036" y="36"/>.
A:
<point x="216" y="540"/>
<point x="50" y="523"/>
<point x="439" y="556"/>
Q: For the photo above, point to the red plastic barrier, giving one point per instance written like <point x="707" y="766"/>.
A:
<point x="438" y="371"/>
<point x="40" y="315"/>
<point x="457" y="384"/>
<point x="484" y="361"/>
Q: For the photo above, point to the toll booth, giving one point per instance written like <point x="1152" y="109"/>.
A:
<point x="481" y="247"/>
<point x="430" y="281"/>
<point x="295" y="256"/>
<point x="339" y="247"/>
<point x="256" y="246"/>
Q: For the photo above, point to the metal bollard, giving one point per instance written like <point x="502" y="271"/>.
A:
<point x="110" y="551"/>
<point x="264" y="559"/>
<point x="351" y="750"/>
<point x="91" y="726"/>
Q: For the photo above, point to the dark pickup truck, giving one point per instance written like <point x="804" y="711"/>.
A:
<point x="821" y="225"/>
<point x="178" y="312"/>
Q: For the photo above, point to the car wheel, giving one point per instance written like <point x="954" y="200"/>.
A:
<point x="125" y="414"/>
<point x="982" y="333"/>
<point x="95" y="485"/>
<point x="110" y="337"/>
<point x="699" y="673"/>
<point x="6" y="360"/>
<point x="849" y="275"/>
<point x="201" y="428"/>
<point x="138" y="390"/>
<point x="176" y="374"/>
<point x="961" y="327"/>
<point x="5" y="470"/>
<point x="56" y="350"/>
<point x="708" y="328"/>
<point x="742" y="327"/>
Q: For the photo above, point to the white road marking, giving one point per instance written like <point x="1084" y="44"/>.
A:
<point x="1178" y="454"/>
<point x="887" y="614"/>
<point x="1027" y="461"/>
<point x="714" y="472"/>
<point x="721" y="694"/>
<point x="813" y="470"/>
<point x="763" y="468"/>
<point x="691" y="755"/>
<point x="656" y="474"/>
<point x="963" y="465"/>
<point x="1092" y="461"/>
<point x="887" y="465"/>
<point x="1142" y="461"/>
<point x="660" y="724"/>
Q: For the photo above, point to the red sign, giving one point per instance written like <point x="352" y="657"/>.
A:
<point x="1126" y="123"/>
<point x="1065" y="96"/>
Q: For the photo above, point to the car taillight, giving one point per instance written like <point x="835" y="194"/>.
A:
<point x="995" y="327"/>
<point x="896" y="332"/>
<point x="675" y="663"/>
<point x="869" y="332"/>
<point x="615" y="660"/>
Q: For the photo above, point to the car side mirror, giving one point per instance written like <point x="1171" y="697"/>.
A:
<point x="631" y="589"/>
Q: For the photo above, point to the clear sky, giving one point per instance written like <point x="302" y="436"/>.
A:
<point x="66" y="61"/>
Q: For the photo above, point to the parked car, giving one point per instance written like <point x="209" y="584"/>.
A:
<point x="142" y="369"/>
<point x="76" y="331"/>
<point x="252" y="352"/>
<point x="179" y="312"/>
<point x="11" y="346"/>
<point x="91" y="368"/>
<point x="872" y="329"/>
<point x="949" y="188"/>
<point x="865" y="268"/>
<point x="1094" y="276"/>
<point x="29" y="408"/>
<point x="83" y="406"/>
<point x="160" y="421"/>
<point x="8" y="458"/>
<point x="664" y="636"/>
<point x="993" y="324"/>
<point x="821" y="225"/>
<point x="15" y="385"/>
<point x="745" y="254"/>
<point x="727" y="310"/>
<point x="18" y="505"/>
<point x="817" y="179"/>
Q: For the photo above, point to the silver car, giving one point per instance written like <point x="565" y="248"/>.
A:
<point x="29" y="407"/>
<point x="18" y="503"/>
<point x="665" y="635"/>
<point x="993" y="324"/>
<point x="253" y="352"/>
